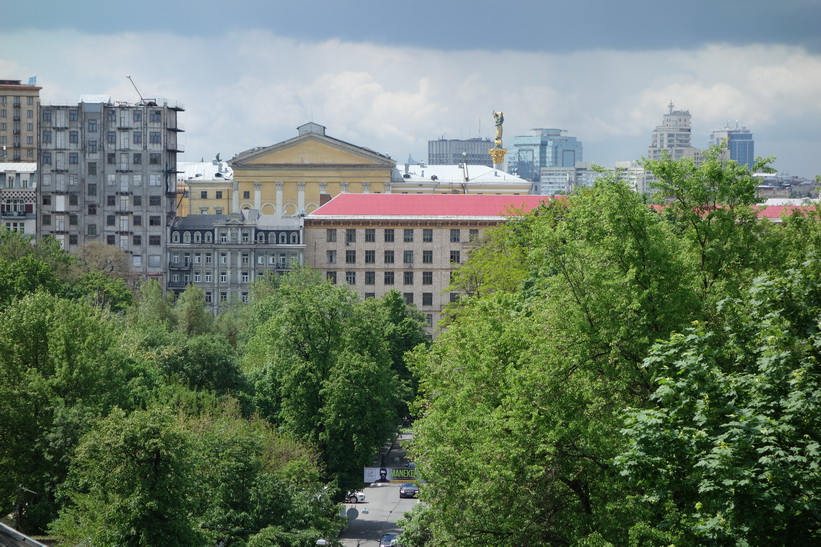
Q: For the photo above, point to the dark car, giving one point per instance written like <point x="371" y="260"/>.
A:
<point x="389" y="540"/>
<point x="408" y="490"/>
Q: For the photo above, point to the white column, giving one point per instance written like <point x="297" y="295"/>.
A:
<point x="258" y="196"/>
<point x="300" y="200"/>
<point x="235" y="197"/>
<point x="278" y="206"/>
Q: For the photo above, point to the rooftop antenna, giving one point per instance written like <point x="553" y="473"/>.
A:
<point x="135" y="88"/>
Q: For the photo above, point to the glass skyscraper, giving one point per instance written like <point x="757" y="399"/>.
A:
<point x="542" y="148"/>
<point x="739" y="143"/>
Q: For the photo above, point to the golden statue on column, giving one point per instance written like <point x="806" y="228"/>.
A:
<point x="498" y="153"/>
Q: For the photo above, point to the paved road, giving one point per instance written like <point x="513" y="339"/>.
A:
<point x="377" y="516"/>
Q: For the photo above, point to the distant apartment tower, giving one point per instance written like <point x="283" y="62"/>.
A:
<point x="455" y="151"/>
<point x="543" y="148"/>
<point x="18" y="199"/>
<point x="673" y="137"/>
<point x="108" y="173"/>
<point x="739" y="143"/>
<point x="19" y="105"/>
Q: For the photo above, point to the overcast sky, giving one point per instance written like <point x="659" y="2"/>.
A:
<point x="392" y="75"/>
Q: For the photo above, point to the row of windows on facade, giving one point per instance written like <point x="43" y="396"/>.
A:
<point x="153" y="241"/>
<point x="59" y="160"/>
<point x="427" y="297"/>
<point x="125" y="139"/>
<point x="16" y="113"/>
<point x="389" y="235"/>
<point x="59" y="223"/>
<point x="388" y="256"/>
<point x="127" y="182"/>
<point x="136" y="115"/>
<point x="283" y="238"/>
<point x="388" y="278"/>
<point x="126" y="203"/>
<point x="16" y="100"/>
<point x="282" y="260"/>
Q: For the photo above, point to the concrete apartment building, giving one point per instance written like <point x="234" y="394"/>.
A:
<point x="19" y="106"/>
<point x="409" y="243"/>
<point x="673" y="137"/>
<point x="225" y="254"/>
<point x="108" y="173"/>
<point x="455" y="151"/>
<point x="18" y="197"/>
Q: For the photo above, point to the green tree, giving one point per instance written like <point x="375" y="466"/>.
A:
<point x="190" y="313"/>
<point x="154" y="307"/>
<point x="730" y="452"/>
<point x="131" y="483"/>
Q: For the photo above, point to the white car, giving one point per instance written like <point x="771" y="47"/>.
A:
<point x="355" y="497"/>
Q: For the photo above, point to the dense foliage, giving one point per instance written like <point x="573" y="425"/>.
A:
<point x="128" y="418"/>
<point x="646" y="375"/>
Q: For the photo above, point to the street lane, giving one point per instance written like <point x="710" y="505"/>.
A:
<point x="369" y="521"/>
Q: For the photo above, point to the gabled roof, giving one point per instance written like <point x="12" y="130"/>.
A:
<point x="310" y="133"/>
<point x="426" y="205"/>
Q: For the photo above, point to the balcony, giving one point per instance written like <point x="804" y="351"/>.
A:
<point x="16" y="215"/>
<point x="179" y="265"/>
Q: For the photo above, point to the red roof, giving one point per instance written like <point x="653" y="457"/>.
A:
<point x="427" y="205"/>
<point x="774" y="212"/>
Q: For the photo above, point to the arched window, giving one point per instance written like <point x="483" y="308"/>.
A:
<point x="261" y="237"/>
<point x="294" y="238"/>
<point x="272" y="237"/>
<point x="175" y="237"/>
<point x="283" y="238"/>
<point x="208" y="237"/>
<point x="186" y="237"/>
<point x="197" y="237"/>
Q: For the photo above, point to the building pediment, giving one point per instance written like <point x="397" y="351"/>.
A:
<point x="311" y="149"/>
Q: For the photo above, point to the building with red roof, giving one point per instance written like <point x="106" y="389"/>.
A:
<point x="406" y="242"/>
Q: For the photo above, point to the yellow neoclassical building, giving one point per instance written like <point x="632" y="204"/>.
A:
<point x="291" y="179"/>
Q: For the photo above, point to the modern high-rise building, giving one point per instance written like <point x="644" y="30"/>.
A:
<point x="19" y="106"/>
<point x="455" y="151"/>
<point x="108" y="172"/>
<point x="738" y="142"/>
<point x="543" y="148"/>
<point x="673" y="137"/>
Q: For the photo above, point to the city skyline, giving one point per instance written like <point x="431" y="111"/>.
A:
<point x="391" y="78"/>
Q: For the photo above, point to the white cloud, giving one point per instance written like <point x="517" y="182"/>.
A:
<point x="246" y="89"/>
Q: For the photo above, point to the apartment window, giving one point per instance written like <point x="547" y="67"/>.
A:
<point x="47" y="200"/>
<point x="110" y="240"/>
<point x="208" y="277"/>
<point x="427" y="235"/>
<point x="138" y="158"/>
<point x="111" y="115"/>
<point x="370" y="295"/>
<point x="407" y="257"/>
<point x="92" y="126"/>
<point x="154" y="220"/>
<point x="111" y="137"/>
<point x="72" y="199"/>
<point x="370" y="278"/>
<point x="408" y="278"/>
<point x="111" y="159"/>
<point x="92" y="168"/>
<point x="208" y="297"/>
<point x="204" y="194"/>
<point x="154" y="201"/>
<point x="110" y="220"/>
<point x="223" y="277"/>
<point x="388" y="257"/>
<point x="427" y="299"/>
<point x="350" y="235"/>
<point x="455" y="256"/>
<point x="245" y="258"/>
<point x="92" y="208"/>
<point x="455" y="235"/>
<point x="137" y="137"/>
<point x="427" y="257"/>
<point x="138" y="201"/>
<point x="408" y="296"/>
<point x="388" y="235"/>
<point x="91" y="229"/>
<point x="454" y="297"/>
<point x="350" y="257"/>
<point x="331" y="277"/>
<point x="245" y="277"/>
<point x="137" y="240"/>
<point x="408" y="235"/>
<point x="223" y="258"/>
<point x="370" y="235"/>
<point x="138" y="220"/>
<point x="73" y="137"/>
<point x="219" y="194"/>
<point x="388" y="278"/>
<point x="208" y="258"/>
<point x="155" y="116"/>
<point x="73" y="158"/>
<point x="138" y="115"/>
<point x="72" y="239"/>
<point x="46" y="115"/>
<point x="46" y="136"/>
<point x="474" y="235"/>
<point x="154" y="158"/>
<point x="330" y="235"/>
<point x="111" y="201"/>
<point x="246" y="194"/>
<point x="370" y="257"/>
<point x="92" y="189"/>
<point x="350" y="278"/>
<point x="47" y="220"/>
<point x="197" y="276"/>
<point x="427" y="278"/>
<point x="154" y="240"/>
<point x="331" y="255"/>
<point x="47" y="157"/>
<point x="244" y="296"/>
<point x="154" y="137"/>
